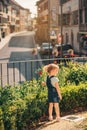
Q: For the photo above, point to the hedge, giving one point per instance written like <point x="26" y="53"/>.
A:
<point x="22" y="106"/>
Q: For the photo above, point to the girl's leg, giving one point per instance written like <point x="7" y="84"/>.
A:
<point x="50" y="111"/>
<point x="57" y="111"/>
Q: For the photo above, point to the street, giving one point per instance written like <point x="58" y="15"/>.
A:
<point x="19" y="48"/>
<point x="16" y="59"/>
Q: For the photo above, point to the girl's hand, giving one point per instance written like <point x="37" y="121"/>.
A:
<point x="43" y="84"/>
<point x="60" y="97"/>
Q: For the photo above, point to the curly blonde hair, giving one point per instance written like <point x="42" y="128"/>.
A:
<point x="50" y="67"/>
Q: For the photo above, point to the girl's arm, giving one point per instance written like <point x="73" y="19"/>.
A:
<point x="58" y="90"/>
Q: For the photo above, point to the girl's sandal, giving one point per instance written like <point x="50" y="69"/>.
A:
<point x="50" y="118"/>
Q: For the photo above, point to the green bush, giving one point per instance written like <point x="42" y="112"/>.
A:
<point x="21" y="106"/>
<point x="72" y="73"/>
<point x="74" y="97"/>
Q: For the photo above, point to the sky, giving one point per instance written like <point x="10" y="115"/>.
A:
<point x="30" y="4"/>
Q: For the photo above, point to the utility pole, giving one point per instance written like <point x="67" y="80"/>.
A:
<point x="61" y="24"/>
<point x="49" y="25"/>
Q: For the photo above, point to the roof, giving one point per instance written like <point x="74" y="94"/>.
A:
<point x="38" y="2"/>
<point x="14" y="2"/>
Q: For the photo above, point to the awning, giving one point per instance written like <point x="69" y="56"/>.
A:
<point x="82" y="32"/>
<point x="3" y="27"/>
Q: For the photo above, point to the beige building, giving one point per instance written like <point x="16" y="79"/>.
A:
<point x="19" y="17"/>
<point x="47" y="20"/>
<point x="13" y="17"/>
<point x="22" y="20"/>
<point x="68" y="18"/>
<point x="13" y="11"/>
<point x="34" y="23"/>
<point x="3" y="18"/>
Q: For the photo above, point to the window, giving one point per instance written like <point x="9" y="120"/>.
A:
<point x="80" y="16"/>
<point x="64" y="1"/>
<point x="46" y="6"/>
<point x="0" y="19"/>
<point x="5" y="9"/>
<point x="66" y="19"/>
<point x="67" y="38"/>
<point x="82" y="4"/>
<point x="78" y="37"/>
<point x="1" y="7"/>
<point x="59" y="23"/>
<point x="72" y="37"/>
<point x="75" y="17"/>
<point x="86" y="15"/>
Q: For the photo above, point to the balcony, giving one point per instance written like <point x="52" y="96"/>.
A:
<point x="1" y="13"/>
<point x="83" y="27"/>
<point x="3" y="20"/>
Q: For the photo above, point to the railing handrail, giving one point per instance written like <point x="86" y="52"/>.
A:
<point x="19" y="71"/>
<point x="32" y="60"/>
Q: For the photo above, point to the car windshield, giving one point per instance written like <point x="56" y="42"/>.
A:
<point x="45" y="45"/>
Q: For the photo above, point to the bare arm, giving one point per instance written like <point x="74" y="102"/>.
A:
<point x="58" y="90"/>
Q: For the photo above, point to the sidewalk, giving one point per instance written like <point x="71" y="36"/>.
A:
<point x="5" y="40"/>
<point x="66" y="124"/>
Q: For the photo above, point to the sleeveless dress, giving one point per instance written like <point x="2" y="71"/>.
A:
<point x="52" y="92"/>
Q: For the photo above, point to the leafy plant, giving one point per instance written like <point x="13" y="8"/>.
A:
<point x="23" y="105"/>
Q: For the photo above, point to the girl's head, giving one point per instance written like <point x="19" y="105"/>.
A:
<point x="51" y="69"/>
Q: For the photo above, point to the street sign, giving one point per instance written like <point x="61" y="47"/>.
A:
<point x="53" y="35"/>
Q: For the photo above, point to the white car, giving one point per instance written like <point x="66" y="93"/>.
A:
<point x="46" y="48"/>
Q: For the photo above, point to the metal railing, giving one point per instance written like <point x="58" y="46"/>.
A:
<point x="13" y="73"/>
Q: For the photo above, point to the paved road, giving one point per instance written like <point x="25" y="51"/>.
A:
<point x="19" y="48"/>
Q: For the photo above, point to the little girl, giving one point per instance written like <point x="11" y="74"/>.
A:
<point x="54" y="94"/>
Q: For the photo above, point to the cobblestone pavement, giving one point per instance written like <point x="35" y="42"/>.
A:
<point x="64" y="124"/>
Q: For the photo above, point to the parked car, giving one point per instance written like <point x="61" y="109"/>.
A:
<point x="84" y="49"/>
<point x="66" y="50"/>
<point x="46" y="48"/>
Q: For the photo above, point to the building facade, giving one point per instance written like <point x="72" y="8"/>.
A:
<point x="4" y="17"/>
<point x="66" y="16"/>
<point x="13" y="17"/>
<point x="74" y="22"/>
<point x="83" y="26"/>
<point x="47" y="20"/>
<point x="70" y="22"/>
